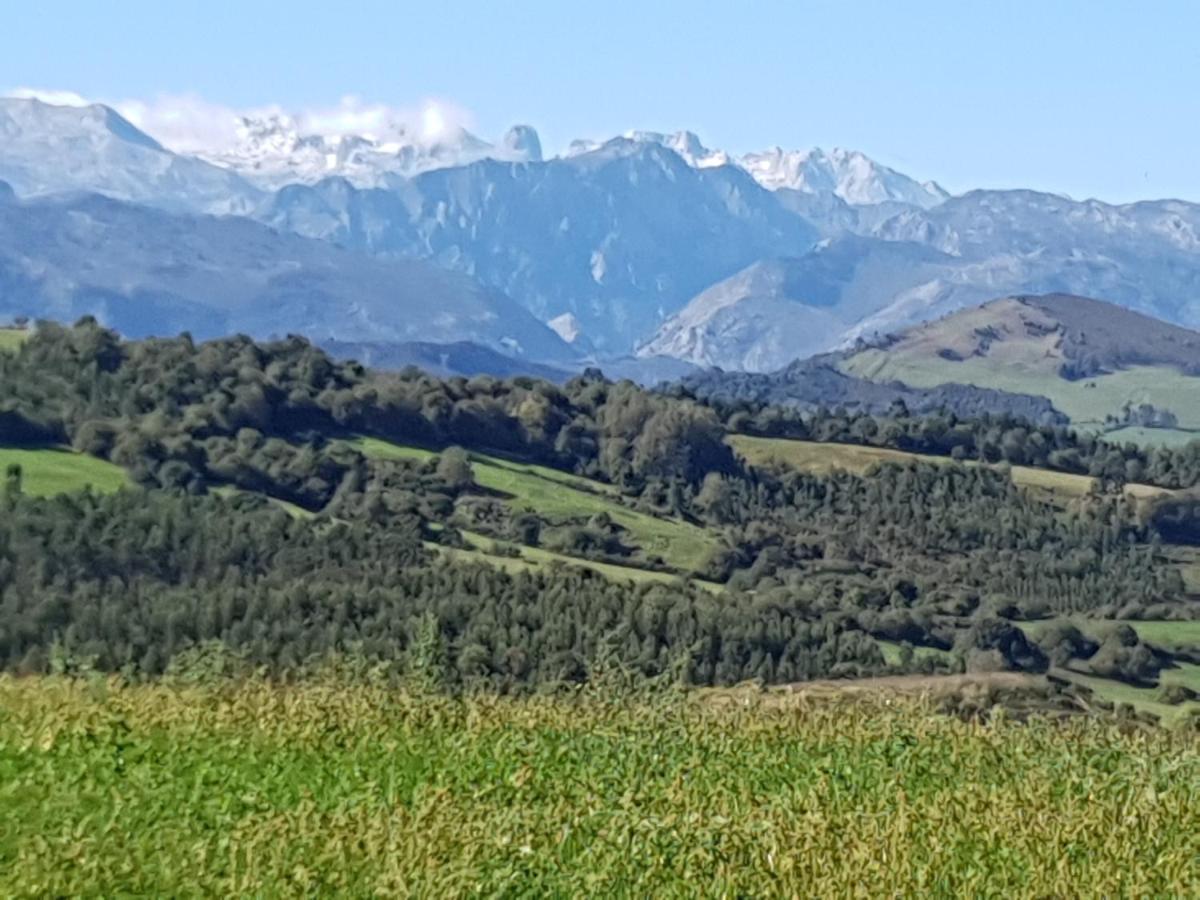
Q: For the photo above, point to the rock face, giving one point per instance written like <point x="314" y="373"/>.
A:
<point x="758" y="321"/>
<point x="847" y="174"/>
<point x="617" y="237"/>
<point x="148" y="272"/>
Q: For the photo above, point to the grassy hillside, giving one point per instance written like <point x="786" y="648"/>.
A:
<point x="559" y="495"/>
<point x="820" y="458"/>
<point x="499" y="553"/>
<point x="50" y="471"/>
<point x="329" y="789"/>
<point x="11" y="338"/>
<point x="1025" y="345"/>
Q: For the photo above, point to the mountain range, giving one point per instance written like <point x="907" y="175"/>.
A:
<point x="648" y="242"/>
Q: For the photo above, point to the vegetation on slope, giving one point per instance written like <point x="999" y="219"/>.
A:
<point x="336" y="788"/>
<point x="557" y="496"/>
<point x="821" y="569"/>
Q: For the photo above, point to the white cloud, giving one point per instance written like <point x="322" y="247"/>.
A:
<point x="57" y="98"/>
<point x="188" y="123"/>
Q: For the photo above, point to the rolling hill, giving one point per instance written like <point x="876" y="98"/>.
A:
<point x="1105" y="367"/>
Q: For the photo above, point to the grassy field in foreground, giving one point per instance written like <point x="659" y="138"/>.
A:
<point x="320" y="789"/>
<point x="49" y="471"/>
<point x="560" y="495"/>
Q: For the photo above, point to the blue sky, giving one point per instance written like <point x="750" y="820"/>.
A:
<point x="1096" y="98"/>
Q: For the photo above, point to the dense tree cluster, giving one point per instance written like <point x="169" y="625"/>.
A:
<point x="128" y="582"/>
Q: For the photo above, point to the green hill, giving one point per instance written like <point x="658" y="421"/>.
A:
<point x="1107" y="368"/>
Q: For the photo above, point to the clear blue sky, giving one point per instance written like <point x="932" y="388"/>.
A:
<point x="1098" y="98"/>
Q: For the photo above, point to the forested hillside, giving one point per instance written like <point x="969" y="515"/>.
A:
<point x="285" y="509"/>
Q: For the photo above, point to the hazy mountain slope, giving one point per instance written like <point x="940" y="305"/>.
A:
<point x="619" y="237"/>
<point x="776" y="311"/>
<point x="145" y="271"/>
<point x="1143" y="256"/>
<point x="47" y="149"/>
<point x="445" y="360"/>
<point x="1092" y="359"/>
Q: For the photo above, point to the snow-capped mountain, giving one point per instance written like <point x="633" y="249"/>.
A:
<point x="633" y="242"/>
<point x="848" y="174"/>
<point x="684" y="143"/>
<point x="273" y="151"/>
<point x="47" y="149"/>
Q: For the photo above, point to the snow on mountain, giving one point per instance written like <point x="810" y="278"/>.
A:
<point x="686" y="144"/>
<point x="47" y="149"/>
<point x="274" y="150"/>
<point x="848" y="174"/>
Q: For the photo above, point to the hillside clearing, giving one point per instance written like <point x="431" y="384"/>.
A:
<point x="822" y="458"/>
<point x="1086" y="402"/>
<point x="51" y="470"/>
<point x="561" y="496"/>
<point x="1165" y="633"/>
<point x="492" y="552"/>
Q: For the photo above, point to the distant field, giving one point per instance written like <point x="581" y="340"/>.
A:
<point x="12" y="338"/>
<point x="485" y="549"/>
<point x="1164" y="633"/>
<point x="296" y="512"/>
<point x="560" y="495"/>
<point x="46" y="472"/>
<point x="1149" y="437"/>
<point x="891" y="653"/>
<point x="1086" y="402"/>
<point x="1169" y="635"/>
<point x="326" y="789"/>
<point x="1142" y="699"/>
<point x="822" y="458"/>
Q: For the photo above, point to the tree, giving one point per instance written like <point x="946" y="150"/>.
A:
<point x="454" y="468"/>
<point x="13" y="481"/>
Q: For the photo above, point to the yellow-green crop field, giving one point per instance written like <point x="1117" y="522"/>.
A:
<point x="328" y="788"/>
